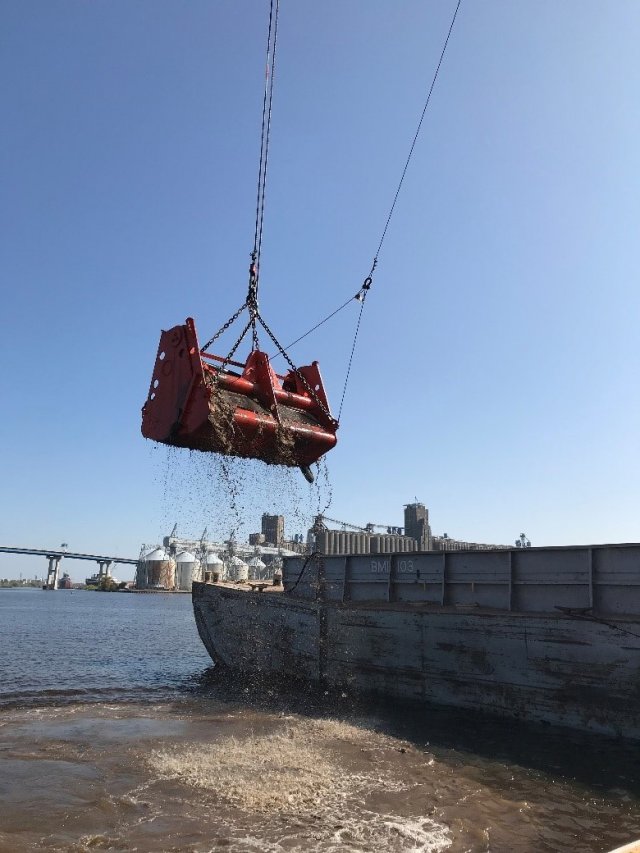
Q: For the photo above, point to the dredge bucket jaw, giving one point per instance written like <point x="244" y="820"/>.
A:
<point x="196" y="401"/>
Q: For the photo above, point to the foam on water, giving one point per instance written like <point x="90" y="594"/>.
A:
<point x="364" y="832"/>
<point x="303" y="775"/>
<point x="260" y="774"/>
<point x="242" y="779"/>
<point x="292" y="770"/>
<point x="268" y="779"/>
<point x="390" y="832"/>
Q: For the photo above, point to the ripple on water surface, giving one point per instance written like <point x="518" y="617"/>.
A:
<point x="213" y="773"/>
<point x="194" y="764"/>
<point x="72" y="646"/>
<point x="196" y="779"/>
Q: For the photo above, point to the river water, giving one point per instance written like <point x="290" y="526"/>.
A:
<point x="117" y="734"/>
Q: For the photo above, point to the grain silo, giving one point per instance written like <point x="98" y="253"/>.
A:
<point x="214" y="568"/>
<point x="160" y="570"/>
<point x="238" y="570"/>
<point x="257" y="569"/>
<point x="186" y="570"/>
<point x="142" y="576"/>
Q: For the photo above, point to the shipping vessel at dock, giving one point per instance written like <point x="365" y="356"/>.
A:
<point x="539" y="634"/>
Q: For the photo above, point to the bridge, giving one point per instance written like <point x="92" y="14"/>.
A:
<point x="54" y="555"/>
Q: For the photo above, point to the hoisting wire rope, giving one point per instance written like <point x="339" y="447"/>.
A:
<point x="251" y="302"/>
<point x="361" y="295"/>
<point x="364" y="290"/>
<point x="267" y="105"/>
<point x="415" y="138"/>
<point x="317" y="325"/>
<point x="353" y="349"/>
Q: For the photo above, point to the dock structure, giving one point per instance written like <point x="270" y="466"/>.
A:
<point x="55" y="555"/>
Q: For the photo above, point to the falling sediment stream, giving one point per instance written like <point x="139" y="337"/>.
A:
<point x="228" y="494"/>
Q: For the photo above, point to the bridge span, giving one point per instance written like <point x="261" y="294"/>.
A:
<point x="54" y="555"/>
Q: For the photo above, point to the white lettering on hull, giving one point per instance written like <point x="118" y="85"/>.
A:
<point x="382" y="567"/>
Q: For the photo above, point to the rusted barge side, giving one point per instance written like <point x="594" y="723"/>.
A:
<point x="542" y="634"/>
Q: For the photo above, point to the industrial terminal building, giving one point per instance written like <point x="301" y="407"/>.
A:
<point x="179" y="561"/>
<point x="378" y="539"/>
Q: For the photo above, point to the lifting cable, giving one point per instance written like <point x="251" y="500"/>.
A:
<point x="251" y="302"/>
<point x="361" y="295"/>
<point x="415" y="138"/>
<point x="267" y="104"/>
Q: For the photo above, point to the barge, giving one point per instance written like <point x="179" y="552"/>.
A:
<point x="538" y="634"/>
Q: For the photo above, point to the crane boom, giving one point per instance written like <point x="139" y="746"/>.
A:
<point x="368" y="528"/>
<point x="321" y="519"/>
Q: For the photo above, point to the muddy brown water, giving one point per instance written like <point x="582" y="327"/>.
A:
<point x="116" y="734"/>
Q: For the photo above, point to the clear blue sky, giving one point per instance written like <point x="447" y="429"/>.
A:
<point x="496" y="373"/>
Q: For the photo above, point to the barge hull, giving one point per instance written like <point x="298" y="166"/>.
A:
<point x="571" y="666"/>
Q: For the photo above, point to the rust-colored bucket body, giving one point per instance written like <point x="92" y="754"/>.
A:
<point x="253" y="413"/>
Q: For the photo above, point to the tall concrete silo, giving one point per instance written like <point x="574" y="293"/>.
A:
<point x="336" y="542"/>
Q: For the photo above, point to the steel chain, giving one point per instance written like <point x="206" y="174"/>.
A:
<point x="251" y="304"/>
<point x="224" y="328"/>
<point x="218" y="370"/>
<point x="285" y="355"/>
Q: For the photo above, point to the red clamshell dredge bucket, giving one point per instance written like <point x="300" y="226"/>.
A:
<point x="254" y="413"/>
